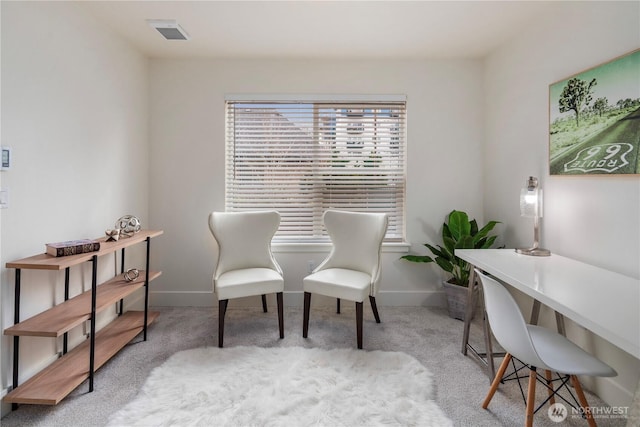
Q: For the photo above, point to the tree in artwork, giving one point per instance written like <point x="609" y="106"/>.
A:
<point x="600" y="105"/>
<point x="575" y="95"/>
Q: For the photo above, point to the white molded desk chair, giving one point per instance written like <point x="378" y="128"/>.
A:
<point x="245" y="266"/>
<point x="536" y="347"/>
<point x="352" y="269"/>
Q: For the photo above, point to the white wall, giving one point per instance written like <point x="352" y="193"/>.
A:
<point x="445" y="128"/>
<point x="74" y="111"/>
<point x="593" y="219"/>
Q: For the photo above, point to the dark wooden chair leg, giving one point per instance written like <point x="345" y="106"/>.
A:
<point x="374" y="306"/>
<point x="280" y="314"/>
<point x="264" y="303"/>
<point x="338" y="305"/>
<point x="305" y="319"/>
<point x="359" y="316"/>
<point x="222" y="310"/>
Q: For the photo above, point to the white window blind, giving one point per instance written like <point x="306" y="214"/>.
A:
<point x="302" y="158"/>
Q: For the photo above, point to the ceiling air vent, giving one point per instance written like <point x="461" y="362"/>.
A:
<point x="169" y="29"/>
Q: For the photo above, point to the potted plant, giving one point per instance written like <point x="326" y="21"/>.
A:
<point x="458" y="232"/>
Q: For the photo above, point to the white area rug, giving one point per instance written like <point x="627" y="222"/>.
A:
<point x="289" y="386"/>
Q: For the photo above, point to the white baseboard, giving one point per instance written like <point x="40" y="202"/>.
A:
<point x="611" y="391"/>
<point x="412" y="298"/>
<point x="5" y="408"/>
<point x="181" y="299"/>
<point x="295" y="299"/>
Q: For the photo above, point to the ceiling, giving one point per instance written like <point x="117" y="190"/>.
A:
<point x="321" y="29"/>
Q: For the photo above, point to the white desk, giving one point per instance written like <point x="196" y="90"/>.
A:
<point x="604" y="302"/>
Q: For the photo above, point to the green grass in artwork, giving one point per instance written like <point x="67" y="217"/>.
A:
<point x="564" y="133"/>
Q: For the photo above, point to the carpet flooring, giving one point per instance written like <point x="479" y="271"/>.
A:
<point x="427" y="334"/>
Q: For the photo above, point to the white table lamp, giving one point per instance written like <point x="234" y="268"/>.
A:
<point x="531" y="206"/>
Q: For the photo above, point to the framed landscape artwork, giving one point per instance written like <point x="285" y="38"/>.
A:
<point x="594" y="120"/>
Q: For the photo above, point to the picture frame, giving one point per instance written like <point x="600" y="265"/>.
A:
<point x="594" y="120"/>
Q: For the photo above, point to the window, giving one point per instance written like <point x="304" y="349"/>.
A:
<point x="304" y="157"/>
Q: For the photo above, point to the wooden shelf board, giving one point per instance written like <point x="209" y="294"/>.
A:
<point x="55" y="382"/>
<point x="48" y="262"/>
<point x="69" y="314"/>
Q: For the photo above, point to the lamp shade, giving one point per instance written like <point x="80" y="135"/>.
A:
<point x="531" y="202"/>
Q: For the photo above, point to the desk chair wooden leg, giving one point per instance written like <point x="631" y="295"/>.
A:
<point x="496" y="380"/>
<point x="305" y="318"/>
<point x="264" y="303"/>
<point x="547" y="374"/>
<point x="222" y="310"/>
<point x="280" y="314"/>
<point x="374" y="307"/>
<point x="359" y="316"/>
<point x="338" y="305"/>
<point x="531" y="397"/>
<point x="583" y="401"/>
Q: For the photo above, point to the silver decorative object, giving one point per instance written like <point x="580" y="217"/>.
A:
<point x="112" y="235"/>
<point x="128" y="225"/>
<point x="131" y="274"/>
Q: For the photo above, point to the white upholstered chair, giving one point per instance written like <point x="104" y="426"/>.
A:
<point x="537" y="348"/>
<point x="352" y="269"/>
<point x="246" y="266"/>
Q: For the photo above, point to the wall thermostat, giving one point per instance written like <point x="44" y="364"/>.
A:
<point x="6" y="158"/>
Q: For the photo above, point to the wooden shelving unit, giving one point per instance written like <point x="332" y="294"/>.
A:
<point x="52" y="384"/>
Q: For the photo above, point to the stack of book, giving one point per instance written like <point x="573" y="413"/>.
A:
<point x="72" y="247"/>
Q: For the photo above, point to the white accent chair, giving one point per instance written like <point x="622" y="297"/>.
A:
<point x="246" y="266"/>
<point x="352" y="269"/>
<point x="537" y="348"/>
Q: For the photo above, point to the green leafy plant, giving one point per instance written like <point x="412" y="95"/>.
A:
<point x="457" y="233"/>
